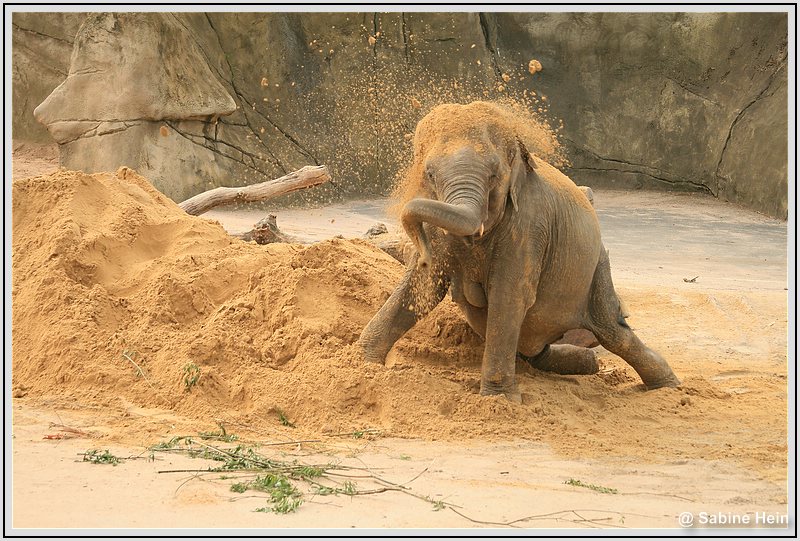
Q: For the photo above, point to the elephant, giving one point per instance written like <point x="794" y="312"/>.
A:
<point x="518" y="246"/>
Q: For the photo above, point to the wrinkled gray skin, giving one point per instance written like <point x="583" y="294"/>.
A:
<point x="518" y="245"/>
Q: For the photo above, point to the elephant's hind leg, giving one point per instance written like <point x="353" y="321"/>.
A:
<point x="564" y="359"/>
<point x="606" y="321"/>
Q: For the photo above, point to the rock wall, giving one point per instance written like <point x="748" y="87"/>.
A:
<point x="664" y="100"/>
<point x="683" y="101"/>
<point x="41" y="45"/>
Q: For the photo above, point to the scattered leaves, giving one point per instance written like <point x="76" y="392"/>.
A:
<point x="95" y="456"/>
<point x="191" y="375"/>
<point x="283" y="419"/>
<point x="596" y="488"/>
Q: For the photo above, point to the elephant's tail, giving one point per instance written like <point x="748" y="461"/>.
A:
<point x="605" y="306"/>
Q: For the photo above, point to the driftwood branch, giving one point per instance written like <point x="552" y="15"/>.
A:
<point x="308" y="176"/>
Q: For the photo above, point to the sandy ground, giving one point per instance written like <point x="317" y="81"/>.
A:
<point x="33" y="159"/>
<point x="491" y="483"/>
<point x="735" y="327"/>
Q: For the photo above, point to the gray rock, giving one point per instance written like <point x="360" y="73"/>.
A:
<point x="41" y="46"/>
<point x="376" y="230"/>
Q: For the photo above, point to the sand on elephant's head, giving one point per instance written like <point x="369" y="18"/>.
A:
<point x="452" y="125"/>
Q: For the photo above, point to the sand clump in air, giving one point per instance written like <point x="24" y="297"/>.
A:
<point x="534" y="66"/>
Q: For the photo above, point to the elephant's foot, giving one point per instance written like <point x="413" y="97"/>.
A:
<point x="370" y="353"/>
<point x="655" y="372"/>
<point x="564" y="359"/>
<point x="507" y="389"/>
<point x="670" y="380"/>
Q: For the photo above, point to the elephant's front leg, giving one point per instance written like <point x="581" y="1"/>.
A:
<point x="506" y="312"/>
<point x="416" y="295"/>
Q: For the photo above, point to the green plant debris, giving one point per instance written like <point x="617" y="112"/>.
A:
<point x="172" y="443"/>
<point x="238" y="487"/>
<point x="218" y="436"/>
<point x="349" y="488"/>
<point x="284" y="482"/>
<point x="310" y="472"/>
<point x="324" y="490"/>
<point x="284" y="419"/>
<point x="438" y="505"/>
<point x="365" y="433"/>
<point x="596" y="488"/>
<point x="95" y="456"/>
<point x="191" y="375"/>
<point x="241" y="457"/>
<point x="222" y="435"/>
<point x="283" y="495"/>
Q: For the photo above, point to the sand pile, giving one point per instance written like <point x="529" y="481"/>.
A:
<point x="104" y="265"/>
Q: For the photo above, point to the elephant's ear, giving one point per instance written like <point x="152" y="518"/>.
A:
<point x="521" y="164"/>
<point x="527" y="157"/>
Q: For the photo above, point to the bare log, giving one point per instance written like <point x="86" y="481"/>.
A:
<point x="308" y="176"/>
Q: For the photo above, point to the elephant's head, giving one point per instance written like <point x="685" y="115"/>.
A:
<point x="469" y="161"/>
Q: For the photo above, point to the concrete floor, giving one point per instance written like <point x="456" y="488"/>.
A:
<point x="667" y="236"/>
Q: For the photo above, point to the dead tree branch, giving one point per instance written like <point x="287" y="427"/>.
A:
<point x="306" y="177"/>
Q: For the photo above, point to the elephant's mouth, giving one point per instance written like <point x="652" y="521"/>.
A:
<point x="463" y="219"/>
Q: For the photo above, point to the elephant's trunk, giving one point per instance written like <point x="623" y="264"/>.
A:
<point x="462" y="213"/>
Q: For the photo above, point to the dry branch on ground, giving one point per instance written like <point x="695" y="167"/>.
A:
<point x="307" y="177"/>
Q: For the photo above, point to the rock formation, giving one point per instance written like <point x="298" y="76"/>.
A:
<point x="678" y="101"/>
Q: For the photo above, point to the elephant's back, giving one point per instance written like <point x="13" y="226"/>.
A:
<point x="572" y="216"/>
<point x="561" y="185"/>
